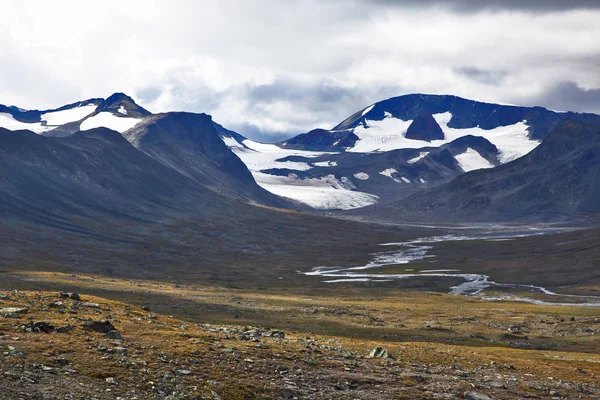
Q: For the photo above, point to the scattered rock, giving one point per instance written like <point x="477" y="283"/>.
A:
<point x="64" y="329"/>
<point x="380" y="352"/>
<point x="90" y="305"/>
<point x="111" y="381"/>
<point x="4" y="297"/>
<point x="476" y="396"/>
<point x="99" y="326"/>
<point x="12" y="311"/>
<point x="184" y="372"/>
<point x="63" y="295"/>
<point x="40" y="326"/>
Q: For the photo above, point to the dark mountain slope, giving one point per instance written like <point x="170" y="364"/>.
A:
<point x="96" y="172"/>
<point x="560" y="177"/>
<point x="190" y="144"/>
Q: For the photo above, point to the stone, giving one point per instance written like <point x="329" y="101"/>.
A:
<point x="63" y="295"/>
<point x="380" y="352"/>
<point x="4" y="297"/>
<point x="476" y="396"/>
<point x="62" y="361"/>
<point x="183" y="372"/>
<point x="99" y="326"/>
<point x="111" y="381"/>
<point x="90" y="305"/>
<point x="64" y="329"/>
<point x="114" y="334"/>
<point x="75" y="296"/>
<point x="13" y="311"/>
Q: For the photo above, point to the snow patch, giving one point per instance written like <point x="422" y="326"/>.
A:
<point x="70" y="115"/>
<point x="471" y="160"/>
<point x="405" y="180"/>
<point x="110" y="121"/>
<point x="362" y="176"/>
<point x="388" y="134"/>
<point x="421" y="155"/>
<point x="366" y="110"/>
<point x="325" y="164"/>
<point x="388" y="172"/>
<point x="7" y="121"/>
<point x="122" y="110"/>
<point x="325" y="193"/>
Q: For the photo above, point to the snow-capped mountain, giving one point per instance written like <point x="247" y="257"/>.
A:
<point x="560" y="177"/>
<point x="396" y="147"/>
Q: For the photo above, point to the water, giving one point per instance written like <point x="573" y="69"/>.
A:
<point x="474" y="284"/>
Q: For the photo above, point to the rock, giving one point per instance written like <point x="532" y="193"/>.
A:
<point x="63" y="295"/>
<point x="281" y="368"/>
<point x="380" y="352"/>
<point x="183" y="372"/>
<point x="4" y="297"/>
<point x="99" y="326"/>
<point x="91" y="305"/>
<point x="111" y="381"/>
<point x="62" y="361"/>
<point x="75" y="296"/>
<point x="476" y="396"/>
<point x="64" y="329"/>
<point x="13" y="311"/>
<point x="40" y="326"/>
<point x="145" y="308"/>
<point x="114" y="334"/>
<point x="121" y="351"/>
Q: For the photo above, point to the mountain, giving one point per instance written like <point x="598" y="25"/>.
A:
<point x="561" y="177"/>
<point x="190" y="144"/>
<point x="184" y="142"/>
<point x="350" y="166"/>
<point x="95" y="172"/>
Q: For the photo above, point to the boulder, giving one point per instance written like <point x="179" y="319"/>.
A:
<point x="380" y="352"/>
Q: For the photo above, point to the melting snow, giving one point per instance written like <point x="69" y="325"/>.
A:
<point x="471" y="160"/>
<point x="7" y="121"/>
<point x="388" y="134"/>
<point x="362" y="176"/>
<point x="110" y="121"/>
<point x="69" y="115"/>
<point x="321" y="193"/>
<point x="421" y="155"/>
<point x="325" y="164"/>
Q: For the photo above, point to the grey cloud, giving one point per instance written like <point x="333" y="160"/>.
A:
<point x="568" y="96"/>
<point x="480" y="75"/>
<point x="148" y="94"/>
<point x="469" y="6"/>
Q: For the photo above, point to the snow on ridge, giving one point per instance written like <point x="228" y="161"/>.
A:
<point x="421" y="155"/>
<point x="122" y="110"/>
<point x="405" y="179"/>
<point x="389" y="133"/>
<point x="471" y="160"/>
<point x="9" y="122"/>
<point x="56" y="118"/>
<point x="366" y="110"/>
<point x="109" y="120"/>
<point x="362" y="176"/>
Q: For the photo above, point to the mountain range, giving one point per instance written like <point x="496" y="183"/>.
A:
<point x="413" y="157"/>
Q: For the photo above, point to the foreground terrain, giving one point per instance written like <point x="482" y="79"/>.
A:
<point x="443" y="346"/>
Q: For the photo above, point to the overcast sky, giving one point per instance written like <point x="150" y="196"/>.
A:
<point x="273" y="68"/>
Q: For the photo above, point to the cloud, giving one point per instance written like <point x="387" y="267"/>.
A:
<point x="470" y="6"/>
<point x="274" y="68"/>
<point x="568" y="95"/>
<point x="480" y="75"/>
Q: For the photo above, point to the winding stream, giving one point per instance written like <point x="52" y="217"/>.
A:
<point x="473" y="285"/>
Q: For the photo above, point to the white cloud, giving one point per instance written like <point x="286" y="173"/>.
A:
<point x="289" y="66"/>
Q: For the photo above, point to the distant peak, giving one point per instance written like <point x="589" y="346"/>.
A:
<point x="122" y="105"/>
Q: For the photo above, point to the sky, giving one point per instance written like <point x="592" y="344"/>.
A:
<point x="270" y="69"/>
